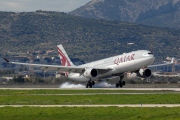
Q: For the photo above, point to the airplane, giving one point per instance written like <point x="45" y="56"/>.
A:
<point x="137" y="62"/>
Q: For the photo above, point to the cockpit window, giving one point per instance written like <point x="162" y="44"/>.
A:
<point x="148" y="54"/>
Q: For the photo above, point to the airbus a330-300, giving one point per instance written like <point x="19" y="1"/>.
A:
<point x="133" y="62"/>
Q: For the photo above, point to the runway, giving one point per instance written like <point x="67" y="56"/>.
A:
<point x="119" y="105"/>
<point x="149" y="89"/>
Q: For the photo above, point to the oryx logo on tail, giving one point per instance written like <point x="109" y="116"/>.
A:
<point x="65" y="61"/>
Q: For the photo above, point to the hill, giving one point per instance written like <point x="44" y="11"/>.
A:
<point x="164" y="13"/>
<point x="87" y="39"/>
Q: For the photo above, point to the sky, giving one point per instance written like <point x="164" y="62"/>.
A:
<point x="46" y="5"/>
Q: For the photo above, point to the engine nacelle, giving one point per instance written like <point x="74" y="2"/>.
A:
<point x="144" y="73"/>
<point x="90" y="73"/>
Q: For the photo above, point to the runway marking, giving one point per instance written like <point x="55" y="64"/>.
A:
<point x="87" y="94"/>
<point x="153" y="89"/>
<point x="119" y="105"/>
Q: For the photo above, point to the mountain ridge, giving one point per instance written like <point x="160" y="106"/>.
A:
<point x="87" y="39"/>
<point x="151" y="12"/>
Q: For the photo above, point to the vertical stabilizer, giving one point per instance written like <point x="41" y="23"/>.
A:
<point x="173" y="60"/>
<point x="65" y="61"/>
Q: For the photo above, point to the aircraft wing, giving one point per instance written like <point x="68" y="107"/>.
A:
<point x="150" y="66"/>
<point x="75" y="69"/>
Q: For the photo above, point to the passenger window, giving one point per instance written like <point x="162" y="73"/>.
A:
<point x="150" y="53"/>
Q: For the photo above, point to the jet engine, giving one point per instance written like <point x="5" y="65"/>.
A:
<point x="144" y="73"/>
<point x="90" y="73"/>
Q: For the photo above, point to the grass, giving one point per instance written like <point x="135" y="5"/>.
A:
<point x="67" y="97"/>
<point x="102" y="113"/>
<point x="70" y="97"/>
<point x="89" y="99"/>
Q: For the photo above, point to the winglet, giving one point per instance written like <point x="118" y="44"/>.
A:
<point x="6" y="60"/>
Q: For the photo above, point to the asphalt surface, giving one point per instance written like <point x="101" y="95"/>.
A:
<point x="153" y="89"/>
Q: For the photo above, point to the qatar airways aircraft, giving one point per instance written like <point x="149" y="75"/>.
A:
<point x="133" y="62"/>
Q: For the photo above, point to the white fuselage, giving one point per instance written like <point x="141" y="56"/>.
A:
<point x="120" y="64"/>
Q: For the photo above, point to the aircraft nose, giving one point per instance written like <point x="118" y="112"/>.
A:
<point x="152" y="58"/>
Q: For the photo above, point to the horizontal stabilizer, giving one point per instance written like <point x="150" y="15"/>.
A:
<point x="6" y="60"/>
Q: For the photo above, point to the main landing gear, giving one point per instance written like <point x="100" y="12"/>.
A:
<point x="120" y="83"/>
<point x="90" y="84"/>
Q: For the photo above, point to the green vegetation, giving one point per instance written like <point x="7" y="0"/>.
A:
<point x="87" y="39"/>
<point x="90" y="99"/>
<point x="71" y="97"/>
<point x="104" y="113"/>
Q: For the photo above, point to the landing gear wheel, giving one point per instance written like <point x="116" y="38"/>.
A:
<point x="120" y="84"/>
<point x="117" y="85"/>
<point x="90" y="84"/>
<point x="87" y="86"/>
<point x="123" y="83"/>
<point x="93" y="83"/>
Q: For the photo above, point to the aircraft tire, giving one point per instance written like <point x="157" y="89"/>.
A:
<point x="90" y="84"/>
<point x="120" y="84"/>
<point x="117" y="85"/>
<point x="93" y="83"/>
<point x="123" y="83"/>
